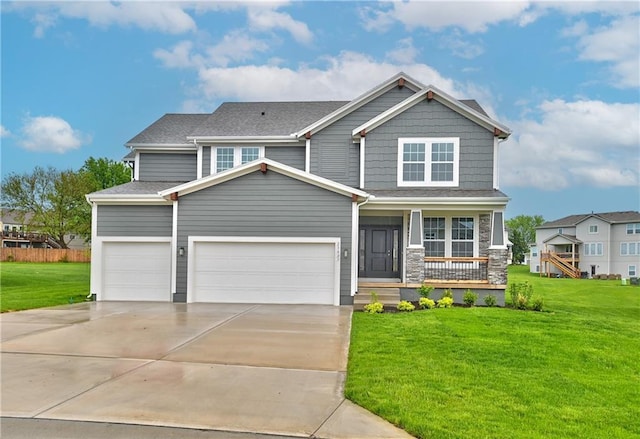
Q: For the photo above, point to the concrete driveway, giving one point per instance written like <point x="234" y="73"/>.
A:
<point x="259" y="369"/>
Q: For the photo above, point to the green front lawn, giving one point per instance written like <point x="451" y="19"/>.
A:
<point x="35" y="285"/>
<point x="571" y="371"/>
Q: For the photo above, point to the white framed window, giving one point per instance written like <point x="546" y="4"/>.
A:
<point x="593" y="249"/>
<point x="450" y="236"/>
<point x="534" y="251"/>
<point x="560" y="231"/>
<point x="632" y="271"/>
<point x="633" y="228"/>
<point x="428" y="161"/>
<point x="227" y="157"/>
<point x="629" y="248"/>
<point x="593" y="229"/>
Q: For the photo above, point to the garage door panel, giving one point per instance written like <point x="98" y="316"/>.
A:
<point x="136" y="271"/>
<point x="264" y="272"/>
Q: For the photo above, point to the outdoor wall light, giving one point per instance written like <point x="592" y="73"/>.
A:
<point x="181" y="251"/>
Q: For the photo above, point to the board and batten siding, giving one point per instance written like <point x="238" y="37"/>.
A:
<point x="429" y="119"/>
<point x="288" y="155"/>
<point x="334" y="155"/>
<point x="271" y="205"/>
<point x="134" y="220"/>
<point x="167" y="167"/>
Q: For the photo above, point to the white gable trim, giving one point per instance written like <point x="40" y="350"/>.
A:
<point x="361" y="100"/>
<point x="272" y="166"/>
<point x="263" y="140"/>
<point x="120" y="199"/>
<point x="439" y="96"/>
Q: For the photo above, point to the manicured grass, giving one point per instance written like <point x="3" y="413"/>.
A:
<point x="35" y="285"/>
<point x="571" y="371"/>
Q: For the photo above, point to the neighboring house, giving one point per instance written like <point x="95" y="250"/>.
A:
<point x="307" y="202"/>
<point x="588" y="245"/>
<point x="17" y="233"/>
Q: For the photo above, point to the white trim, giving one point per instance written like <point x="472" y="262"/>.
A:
<point x="136" y="169"/>
<point x="362" y="152"/>
<point x="96" y="256"/>
<point x="429" y="202"/>
<point x="428" y="142"/>
<point x="421" y="227"/>
<point x="496" y="164"/>
<point x="355" y="237"/>
<point x="97" y="262"/>
<point x="272" y="166"/>
<point x="361" y="100"/>
<point x="162" y="146"/>
<point x="504" y="246"/>
<point x="199" y="162"/>
<point x="244" y="139"/>
<point x="406" y="219"/>
<point x="265" y="239"/>
<point x="307" y="155"/>
<point x="152" y="199"/>
<point x="174" y="249"/>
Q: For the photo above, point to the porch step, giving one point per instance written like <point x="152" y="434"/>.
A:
<point x="386" y="296"/>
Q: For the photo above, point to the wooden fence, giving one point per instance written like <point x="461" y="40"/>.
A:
<point x="10" y="254"/>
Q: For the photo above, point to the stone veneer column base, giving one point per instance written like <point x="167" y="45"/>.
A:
<point x="497" y="266"/>
<point x="415" y="265"/>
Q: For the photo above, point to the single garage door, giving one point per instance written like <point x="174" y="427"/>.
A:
<point x="264" y="272"/>
<point x="136" y="271"/>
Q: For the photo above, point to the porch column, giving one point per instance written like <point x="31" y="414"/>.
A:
<point x="497" y="266"/>
<point x="415" y="250"/>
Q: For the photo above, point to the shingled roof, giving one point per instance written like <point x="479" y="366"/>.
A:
<point x="610" y="217"/>
<point x="171" y="128"/>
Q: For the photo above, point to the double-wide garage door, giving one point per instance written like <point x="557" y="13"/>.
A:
<point x="264" y="271"/>
<point x="136" y="271"/>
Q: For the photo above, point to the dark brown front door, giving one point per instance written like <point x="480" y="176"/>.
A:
<point x="379" y="251"/>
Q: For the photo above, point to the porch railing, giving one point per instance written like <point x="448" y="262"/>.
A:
<point x="456" y="269"/>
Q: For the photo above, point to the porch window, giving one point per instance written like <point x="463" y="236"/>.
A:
<point x="428" y="161"/>
<point x="462" y="237"/>
<point x="227" y="157"/>
<point x="434" y="237"/>
<point x="593" y="249"/>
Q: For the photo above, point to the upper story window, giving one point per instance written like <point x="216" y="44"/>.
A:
<point x="593" y="249"/>
<point x="227" y="157"/>
<point x="560" y="231"/>
<point x="629" y="248"/>
<point x="593" y="229"/>
<point x="633" y="228"/>
<point x="428" y="161"/>
<point x="534" y="251"/>
<point x="453" y="237"/>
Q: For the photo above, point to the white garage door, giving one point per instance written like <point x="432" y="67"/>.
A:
<point x="264" y="272"/>
<point x="136" y="271"/>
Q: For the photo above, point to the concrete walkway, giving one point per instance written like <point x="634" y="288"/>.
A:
<point x="250" y="369"/>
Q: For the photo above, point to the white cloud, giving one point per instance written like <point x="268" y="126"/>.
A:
<point x="4" y="132"/>
<point x="460" y="47"/>
<point x="263" y="18"/>
<point x="618" y="44"/>
<point x="405" y="53"/>
<point x="51" y="134"/>
<point x="340" y="79"/>
<point x="235" y="46"/>
<point x="178" y="57"/>
<point x="585" y="143"/>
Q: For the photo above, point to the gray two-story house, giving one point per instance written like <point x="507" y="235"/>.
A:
<point x="307" y="202"/>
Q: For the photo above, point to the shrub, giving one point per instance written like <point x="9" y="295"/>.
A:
<point x="490" y="300"/>
<point x="10" y="258"/>
<point x="374" y="297"/>
<point x="426" y="303"/>
<point x="520" y="293"/>
<point x="537" y="303"/>
<point x="405" y="305"/>
<point x="374" y="308"/>
<point x="424" y="290"/>
<point x="445" y="302"/>
<point x="469" y="297"/>
<point x="448" y="293"/>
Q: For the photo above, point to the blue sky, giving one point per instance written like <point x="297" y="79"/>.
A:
<point x="80" y="79"/>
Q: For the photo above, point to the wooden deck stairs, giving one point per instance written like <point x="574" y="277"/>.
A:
<point x="388" y="296"/>
<point x="561" y="264"/>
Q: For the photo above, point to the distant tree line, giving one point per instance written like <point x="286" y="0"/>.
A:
<point x="522" y="233"/>
<point x="54" y="200"/>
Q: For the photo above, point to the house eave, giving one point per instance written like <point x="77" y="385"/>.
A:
<point x="245" y="139"/>
<point x="431" y="202"/>
<point x="161" y="146"/>
<point x="120" y="199"/>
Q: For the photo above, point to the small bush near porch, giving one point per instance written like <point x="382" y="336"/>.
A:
<point x="35" y="285"/>
<point x="571" y="371"/>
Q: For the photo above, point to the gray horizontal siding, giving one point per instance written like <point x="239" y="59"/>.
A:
<point x="167" y="167"/>
<point x="134" y="220"/>
<point x="289" y="155"/>
<point x="265" y="205"/>
<point x="429" y="119"/>
<point x="206" y="161"/>
<point x="333" y="152"/>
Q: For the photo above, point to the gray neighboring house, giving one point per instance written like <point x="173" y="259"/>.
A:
<point x="307" y="202"/>
<point x="588" y="245"/>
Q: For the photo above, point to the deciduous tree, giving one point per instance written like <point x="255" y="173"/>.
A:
<point x="522" y="233"/>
